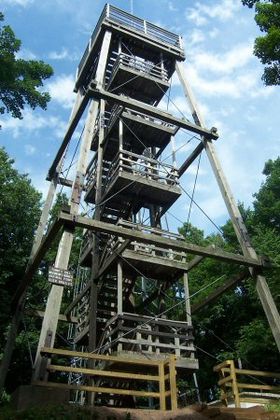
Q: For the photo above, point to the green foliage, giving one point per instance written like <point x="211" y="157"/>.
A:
<point x="267" y="203"/>
<point x="19" y="214"/>
<point x="267" y="47"/>
<point x="20" y="80"/>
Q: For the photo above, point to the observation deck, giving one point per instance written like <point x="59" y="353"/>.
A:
<point x="139" y="132"/>
<point x="134" y="177"/>
<point x="153" y="261"/>
<point x="136" y="31"/>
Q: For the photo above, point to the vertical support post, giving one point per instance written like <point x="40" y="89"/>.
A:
<point x="262" y="288"/>
<point x="18" y="314"/>
<point x="52" y="311"/>
<point x="162" y="397"/>
<point x="120" y="145"/>
<point x="120" y="288"/>
<point x="97" y="216"/>
<point x="120" y="296"/>
<point x="187" y="299"/>
<point x="235" y="389"/>
<point x="172" y="379"/>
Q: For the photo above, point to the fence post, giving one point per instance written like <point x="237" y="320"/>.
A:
<point x="234" y="384"/>
<point x="162" y="397"/>
<point x="172" y="379"/>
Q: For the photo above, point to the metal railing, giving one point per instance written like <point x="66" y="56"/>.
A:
<point x="115" y="15"/>
<point x="246" y="390"/>
<point x="139" y="65"/>
<point x="141" y="166"/>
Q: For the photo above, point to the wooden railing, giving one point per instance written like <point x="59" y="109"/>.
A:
<point x="232" y="387"/>
<point x="148" y="335"/>
<point x="161" y="372"/>
<point x="139" y="65"/>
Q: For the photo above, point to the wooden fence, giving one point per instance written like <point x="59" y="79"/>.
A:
<point x="164" y="376"/>
<point x="231" y="382"/>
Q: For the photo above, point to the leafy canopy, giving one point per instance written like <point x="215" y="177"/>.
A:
<point x="20" y="79"/>
<point x="267" y="47"/>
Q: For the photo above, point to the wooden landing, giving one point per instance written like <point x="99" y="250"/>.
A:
<point x="138" y="85"/>
<point x="127" y="186"/>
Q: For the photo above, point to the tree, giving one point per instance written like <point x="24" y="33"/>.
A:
<point x="267" y="47"/>
<point x="19" y="214"/>
<point x="267" y="203"/>
<point x="20" y="80"/>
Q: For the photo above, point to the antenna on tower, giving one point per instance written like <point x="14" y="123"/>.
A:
<point x="131" y="7"/>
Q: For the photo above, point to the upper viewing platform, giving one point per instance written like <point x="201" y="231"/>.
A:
<point x="136" y="30"/>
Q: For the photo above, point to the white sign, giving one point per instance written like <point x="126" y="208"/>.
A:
<point x="60" y="277"/>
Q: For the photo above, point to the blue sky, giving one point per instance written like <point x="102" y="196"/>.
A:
<point x="225" y="76"/>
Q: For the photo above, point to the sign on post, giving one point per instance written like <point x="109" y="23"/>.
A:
<point x="60" y="277"/>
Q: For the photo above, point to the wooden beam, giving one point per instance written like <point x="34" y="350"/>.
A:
<point x="103" y="373"/>
<point x="195" y="153"/>
<point x="133" y="234"/>
<point x="218" y="292"/>
<point x="112" y="257"/>
<point x="35" y="261"/>
<point x="70" y="130"/>
<point x="151" y="111"/>
<point x="84" y="355"/>
<point x="262" y="288"/>
<point x="40" y="314"/>
<point x="98" y="389"/>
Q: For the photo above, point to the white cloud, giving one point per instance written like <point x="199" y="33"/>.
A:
<point x="222" y="10"/>
<point x="244" y="84"/>
<point x="235" y="58"/>
<point x="195" y="37"/>
<point x="61" y="90"/>
<point x="26" y="54"/>
<point x="64" y="54"/>
<point x="171" y="7"/>
<point x="214" y="33"/>
<point x="29" y="149"/>
<point x="32" y="123"/>
<point x="22" y="3"/>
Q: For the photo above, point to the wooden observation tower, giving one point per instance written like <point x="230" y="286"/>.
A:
<point x="127" y="263"/>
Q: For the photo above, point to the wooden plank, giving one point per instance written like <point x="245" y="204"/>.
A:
<point x="225" y="380"/>
<point x="84" y="355"/>
<point x="190" y="159"/>
<point x="97" y="389"/>
<point x="36" y="312"/>
<point x="259" y="387"/>
<point x="112" y="257"/>
<point x="162" y="397"/>
<point x="35" y="261"/>
<point x="98" y="372"/>
<point x="257" y="400"/>
<point x="150" y="110"/>
<point x="77" y="299"/>
<point x="154" y="343"/>
<point x="172" y="380"/>
<point x="69" y="132"/>
<point x="222" y="365"/>
<point x="134" y="234"/>
<point x="234" y="385"/>
<point x="256" y="373"/>
<point x="218" y="292"/>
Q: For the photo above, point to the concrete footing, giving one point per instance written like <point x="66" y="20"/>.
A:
<point x="27" y="396"/>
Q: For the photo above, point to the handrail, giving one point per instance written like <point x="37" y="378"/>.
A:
<point x="113" y="14"/>
<point x="160" y="376"/>
<point x="228" y="375"/>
